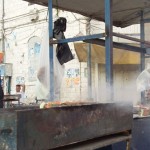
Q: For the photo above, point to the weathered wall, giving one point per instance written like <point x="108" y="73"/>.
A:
<point x="21" y="36"/>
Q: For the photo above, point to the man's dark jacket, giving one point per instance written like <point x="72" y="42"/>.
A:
<point x="1" y="97"/>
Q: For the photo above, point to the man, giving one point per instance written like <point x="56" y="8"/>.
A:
<point x="20" y="89"/>
<point x="1" y="97"/>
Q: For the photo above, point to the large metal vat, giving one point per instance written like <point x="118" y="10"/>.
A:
<point x="42" y="129"/>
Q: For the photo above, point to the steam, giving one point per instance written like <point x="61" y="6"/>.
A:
<point x="123" y="90"/>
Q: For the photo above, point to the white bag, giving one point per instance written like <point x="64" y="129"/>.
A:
<point x="43" y="73"/>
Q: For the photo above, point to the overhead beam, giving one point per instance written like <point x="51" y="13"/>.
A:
<point x="117" y="45"/>
<point x="131" y="38"/>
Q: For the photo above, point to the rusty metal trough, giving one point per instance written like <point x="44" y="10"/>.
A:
<point x="42" y="129"/>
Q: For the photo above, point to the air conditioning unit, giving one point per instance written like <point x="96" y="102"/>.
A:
<point x="148" y="51"/>
<point x="6" y="69"/>
<point x="34" y="15"/>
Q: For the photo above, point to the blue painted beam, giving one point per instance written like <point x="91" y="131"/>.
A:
<point x="51" y="59"/>
<point x="109" y="47"/>
<point x="80" y="38"/>
<point x="131" y="38"/>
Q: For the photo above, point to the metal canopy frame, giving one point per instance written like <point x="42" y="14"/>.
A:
<point x="108" y="43"/>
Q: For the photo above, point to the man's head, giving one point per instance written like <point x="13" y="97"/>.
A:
<point x="18" y="88"/>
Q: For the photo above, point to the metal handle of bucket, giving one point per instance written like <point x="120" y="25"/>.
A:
<point x="6" y="131"/>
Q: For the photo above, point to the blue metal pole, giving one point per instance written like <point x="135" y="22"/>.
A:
<point x="142" y="35"/>
<point x="51" y="59"/>
<point x="109" y="47"/>
<point x="80" y="38"/>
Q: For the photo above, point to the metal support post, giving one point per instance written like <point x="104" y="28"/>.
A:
<point x="3" y="30"/>
<point x="109" y="48"/>
<point x="51" y="59"/>
<point x="89" y="66"/>
<point x="142" y="35"/>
